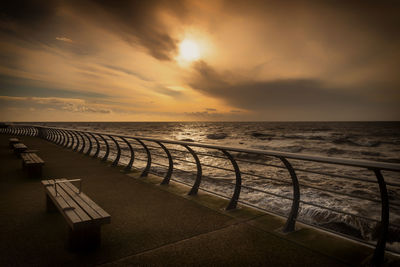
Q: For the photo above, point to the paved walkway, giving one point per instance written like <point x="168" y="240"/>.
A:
<point x="150" y="224"/>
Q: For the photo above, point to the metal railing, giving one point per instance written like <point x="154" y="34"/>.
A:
<point x="173" y="153"/>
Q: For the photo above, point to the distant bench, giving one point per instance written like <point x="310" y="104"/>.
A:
<point x="12" y="141"/>
<point x="84" y="217"/>
<point x="32" y="164"/>
<point x="19" y="148"/>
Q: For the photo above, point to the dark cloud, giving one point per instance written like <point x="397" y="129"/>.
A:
<point x="30" y="13"/>
<point x="291" y="96"/>
<point x="138" y="22"/>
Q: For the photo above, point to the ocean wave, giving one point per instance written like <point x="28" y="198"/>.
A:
<point x="359" y="142"/>
<point x="217" y="136"/>
<point x="262" y="136"/>
<point x="335" y="151"/>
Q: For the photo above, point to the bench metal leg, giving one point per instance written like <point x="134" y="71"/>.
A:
<point x="86" y="238"/>
<point x="50" y="207"/>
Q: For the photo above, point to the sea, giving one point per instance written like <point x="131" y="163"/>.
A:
<point x="347" y="206"/>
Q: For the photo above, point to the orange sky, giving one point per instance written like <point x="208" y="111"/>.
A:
<point x="256" y="60"/>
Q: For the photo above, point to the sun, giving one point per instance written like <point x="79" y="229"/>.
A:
<point x="189" y="50"/>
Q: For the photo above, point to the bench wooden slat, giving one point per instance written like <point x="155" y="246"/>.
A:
<point x="92" y="204"/>
<point x="76" y="216"/>
<point x="79" y="211"/>
<point x="19" y="146"/>
<point x="70" y="215"/>
<point x="77" y="198"/>
<point x="31" y="158"/>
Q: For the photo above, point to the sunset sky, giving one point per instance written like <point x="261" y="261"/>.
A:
<point x="199" y="60"/>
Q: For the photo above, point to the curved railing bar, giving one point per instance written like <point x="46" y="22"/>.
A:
<point x="168" y="175"/>
<point x="199" y="174"/>
<point x="146" y="170"/>
<point x="66" y="143"/>
<point x="238" y="185"/>
<point x="379" y="252"/>
<point x="90" y="144"/>
<point x="83" y="142"/>
<point x="96" y="153"/>
<point x="72" y="142"/>
<point x="51" y="135"/>
<point x="56" y="136"/>
<point x="291" y="220"/>
<point x="77" y="140"/>
<point x="63" y="138"/>
<point x="116" y="160"/>
<point x="107" y="148"/>
<point x="129" y="166"/>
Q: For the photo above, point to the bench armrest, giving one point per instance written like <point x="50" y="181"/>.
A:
<point x="67" y="181"/>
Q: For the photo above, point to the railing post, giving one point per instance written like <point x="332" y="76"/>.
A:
<point x="196" y="185"/>
<point x="56" y="136"/>
<point x="66" y="138"/>
<point x="107" y="148"/>
<point x="291" y="220"/>
<point x="238" y="185"/>
<point x="90" y="144"/>
<point x="53" y="136"/>
<point x="168" y="175"/>
<point x="129" y="166"/>
<point x="50" y="135"/>
<point x="83" y="142"/>
<point x="146" y="170"/>
<point x="77" y="140"/>
<point x="116" y="160"/>
<point x="96" y="153"/>
<point x="62" y="138"/>
<point x="70" y="139"/>
<point x="379" y="253"/>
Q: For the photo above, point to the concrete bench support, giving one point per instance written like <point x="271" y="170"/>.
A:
<point x="83" y="216"/>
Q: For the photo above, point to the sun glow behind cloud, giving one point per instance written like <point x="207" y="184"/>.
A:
<point x="189" y="50"/>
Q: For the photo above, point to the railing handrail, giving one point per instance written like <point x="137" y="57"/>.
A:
<point x="330" y="160"/>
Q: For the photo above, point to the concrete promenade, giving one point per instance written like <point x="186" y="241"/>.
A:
<point x="150" y="224"/>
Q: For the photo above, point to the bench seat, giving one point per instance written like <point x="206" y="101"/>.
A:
<point x="19" y="148"/>
<point x="32" y="164"/>
<point x="83" y="216"/>
<point x="12" y="141"/>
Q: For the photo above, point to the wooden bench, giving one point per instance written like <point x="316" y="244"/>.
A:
<point x="32" y="164"/>
<point x="84" y="217"/>
<point x="19" y="148"/>
<point x="12" y="141"/>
